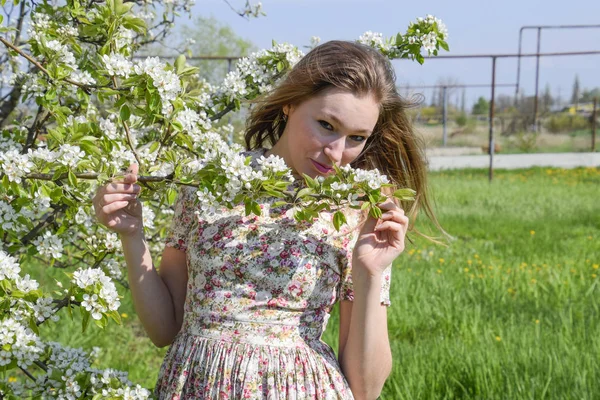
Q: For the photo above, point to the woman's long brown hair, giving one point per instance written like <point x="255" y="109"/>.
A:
<point x="393" y="148"/>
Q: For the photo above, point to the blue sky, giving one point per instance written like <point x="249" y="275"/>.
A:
<point x="482" y="26"/>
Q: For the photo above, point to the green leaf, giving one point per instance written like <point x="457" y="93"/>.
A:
<point x="125" y="113"/>
<point x="50" y="94"/>
<point x="405" y="194"/>
<point x="86" y="319"/>
<point x="72" y="179"/>
<point x="33" y="326"/>
<point x="115" y="316"/>
<point x="339" y="219"/>
<point x="122" y="9"/>
<point x="171" y="195"/>
<point x="256" y="208"/>
<point x="2" y="16"/>
<point x="180" y="64"/>
<point x="310" y="182"/>
<point x="248" y="206"/>
<point x="375" y="212"/>
<point x="304" y="193"/>
<point x="444" y="45"/>
<point x="154" y="147"/>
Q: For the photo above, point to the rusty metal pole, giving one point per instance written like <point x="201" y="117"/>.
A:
<point x="519" y="66"/>
<point x="491" y="141"/>
<point x="594" y="125"/>
<point x="537" y="81"/>
<point x="445" y="116"/>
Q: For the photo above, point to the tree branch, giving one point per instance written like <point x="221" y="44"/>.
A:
<point x="48" y="219"/>
<point x="41" y="117"/>
<point x="85" y="88"/>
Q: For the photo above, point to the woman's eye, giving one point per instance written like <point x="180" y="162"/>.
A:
<point x="358" y="138"/>
<point x="326" y="125"/>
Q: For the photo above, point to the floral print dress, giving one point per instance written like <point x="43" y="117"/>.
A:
<point x="259" y="294"/>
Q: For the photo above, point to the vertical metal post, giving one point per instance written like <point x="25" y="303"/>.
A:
<point x="594" y="125"/>
<point x="445" y="114"/>
<point x="518" y="66"/>
<point x="491" y="139"/>
<point x="537" y="81"/>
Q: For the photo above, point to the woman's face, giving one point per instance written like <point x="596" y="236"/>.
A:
<point x="329" y="129"/>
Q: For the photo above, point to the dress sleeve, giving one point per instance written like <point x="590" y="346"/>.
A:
<point x="346" y="286"/>
<point x="177" y="235"/>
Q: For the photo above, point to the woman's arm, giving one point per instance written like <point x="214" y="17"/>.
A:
<point x="158" y="298"/>
<point x="364" y="353"/>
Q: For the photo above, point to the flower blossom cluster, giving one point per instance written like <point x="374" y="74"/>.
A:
<point x="117" y="65"/>
<point x="107" y="297"/>
<point x="167" y="82"/>
<point x="258" y="70"/>
<point x="373" y="39"/>
<point x="373" y="178"/>
<point x="65" y="375"/>
<point x="190" y="120"/>
<point x="49" y="245"/>
<point x="9" y="218"/>
<point x="18" y="343"/>
<point x="64" y="54"/>
<point x="15" y="165"/>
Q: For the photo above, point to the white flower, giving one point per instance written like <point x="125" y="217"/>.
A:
<point x="42" y="153"/>
<point x="19" y="344"/>
<point x="83" y="77"/>
<point x="15" y="165"/>
<point x="117" y="65"/>
<point x="26" y="284"/>
<point x="148" y="217"/>
<point x="9" y="268"/>
<point x="70" y="155"/>
<point x="8" y="217"/>
<point x="49" y="245"/>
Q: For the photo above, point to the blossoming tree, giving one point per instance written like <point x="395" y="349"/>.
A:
<point x="79" y="111"/>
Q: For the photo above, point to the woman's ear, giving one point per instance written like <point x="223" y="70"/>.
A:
<point x="286" y="109"/>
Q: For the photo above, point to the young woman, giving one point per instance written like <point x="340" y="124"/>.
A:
<point x="243" y="301"/>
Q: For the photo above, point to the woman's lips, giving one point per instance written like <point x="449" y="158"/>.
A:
<point x="321" y="168"/>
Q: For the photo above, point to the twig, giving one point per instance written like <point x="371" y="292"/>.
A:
<point x="48" y="219"/>
<point x="127" y="132"/>
<point x="221" y="113"/>
<point x="41" y="117"/>
<point x="85" y="88"/>
<point x="93" y="176"/>
<point x="41" y="365"/>
<point x="28" y="374"/>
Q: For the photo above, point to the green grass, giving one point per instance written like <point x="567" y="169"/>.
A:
<point x="508" y="310"/>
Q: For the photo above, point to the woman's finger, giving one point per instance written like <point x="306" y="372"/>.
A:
<point x="111" y="198"/>
<point x="393" y="215"/>
<point x="390" y="226"/>
<point x="122" y="188"/>
<point x="114" y="206"/>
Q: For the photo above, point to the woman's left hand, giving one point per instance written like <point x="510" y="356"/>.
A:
<point x="380" y="241"/>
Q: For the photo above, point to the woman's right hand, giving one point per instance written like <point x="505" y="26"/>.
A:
<point x="117" y="206"/>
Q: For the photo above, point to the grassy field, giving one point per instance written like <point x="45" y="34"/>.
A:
<point x="509" y="310"/>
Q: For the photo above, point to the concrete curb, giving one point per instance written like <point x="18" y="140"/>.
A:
<point x="514" y="161"/>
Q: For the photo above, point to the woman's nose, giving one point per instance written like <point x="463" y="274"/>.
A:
<point x="334" y="150"/>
